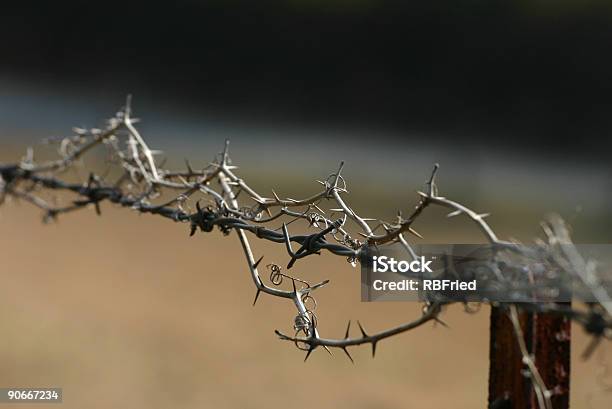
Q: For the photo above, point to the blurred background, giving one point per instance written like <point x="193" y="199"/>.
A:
<point x="512" y="98"/>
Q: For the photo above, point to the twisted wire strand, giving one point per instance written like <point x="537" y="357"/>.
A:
<point x="142" y="179"/>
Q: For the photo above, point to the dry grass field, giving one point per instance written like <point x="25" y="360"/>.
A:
<point x="127" y="311"/>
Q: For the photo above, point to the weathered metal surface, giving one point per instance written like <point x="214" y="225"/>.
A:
<point x="548" y="339"/>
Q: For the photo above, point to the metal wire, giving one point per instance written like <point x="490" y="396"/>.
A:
<point x="140" y="179"/>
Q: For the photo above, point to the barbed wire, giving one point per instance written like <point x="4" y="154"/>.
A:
<point x="143" y="179"/>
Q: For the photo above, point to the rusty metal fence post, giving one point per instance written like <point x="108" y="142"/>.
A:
<point x="548" y="339"/>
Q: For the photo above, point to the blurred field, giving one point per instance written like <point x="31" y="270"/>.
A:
<point x="127" y="311"/>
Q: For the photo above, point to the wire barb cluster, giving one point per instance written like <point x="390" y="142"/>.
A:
<point x="140" y="181"/>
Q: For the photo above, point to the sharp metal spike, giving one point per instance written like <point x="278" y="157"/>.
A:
<point x="189" y="169"/>
<point x="225" y="150"/>
<point x="348" y="328"/>
<point x="128" y="105"/>
<point x="291" y="263"/>
<point x="347" y="354"/>
<point x="257" y="262"/>
<point x="338" y="174"/>
<point x="365" y="335"/>
<point x="455" y="213"/>
<point x="416" y="233"/>
<point x="256" y="296"/>
<point x="483" y="215"/>
<point x="282" y="336"/>
<point x="318" y="285"/>
<point x="318" y="208"/>
<point x="183" y="180"/>
<point x="432" y="180"/>
<point x="275" y="196"/>
<point x="309" y="352"/>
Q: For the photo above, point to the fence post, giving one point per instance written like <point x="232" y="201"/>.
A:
<point x="548" y="339"/>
